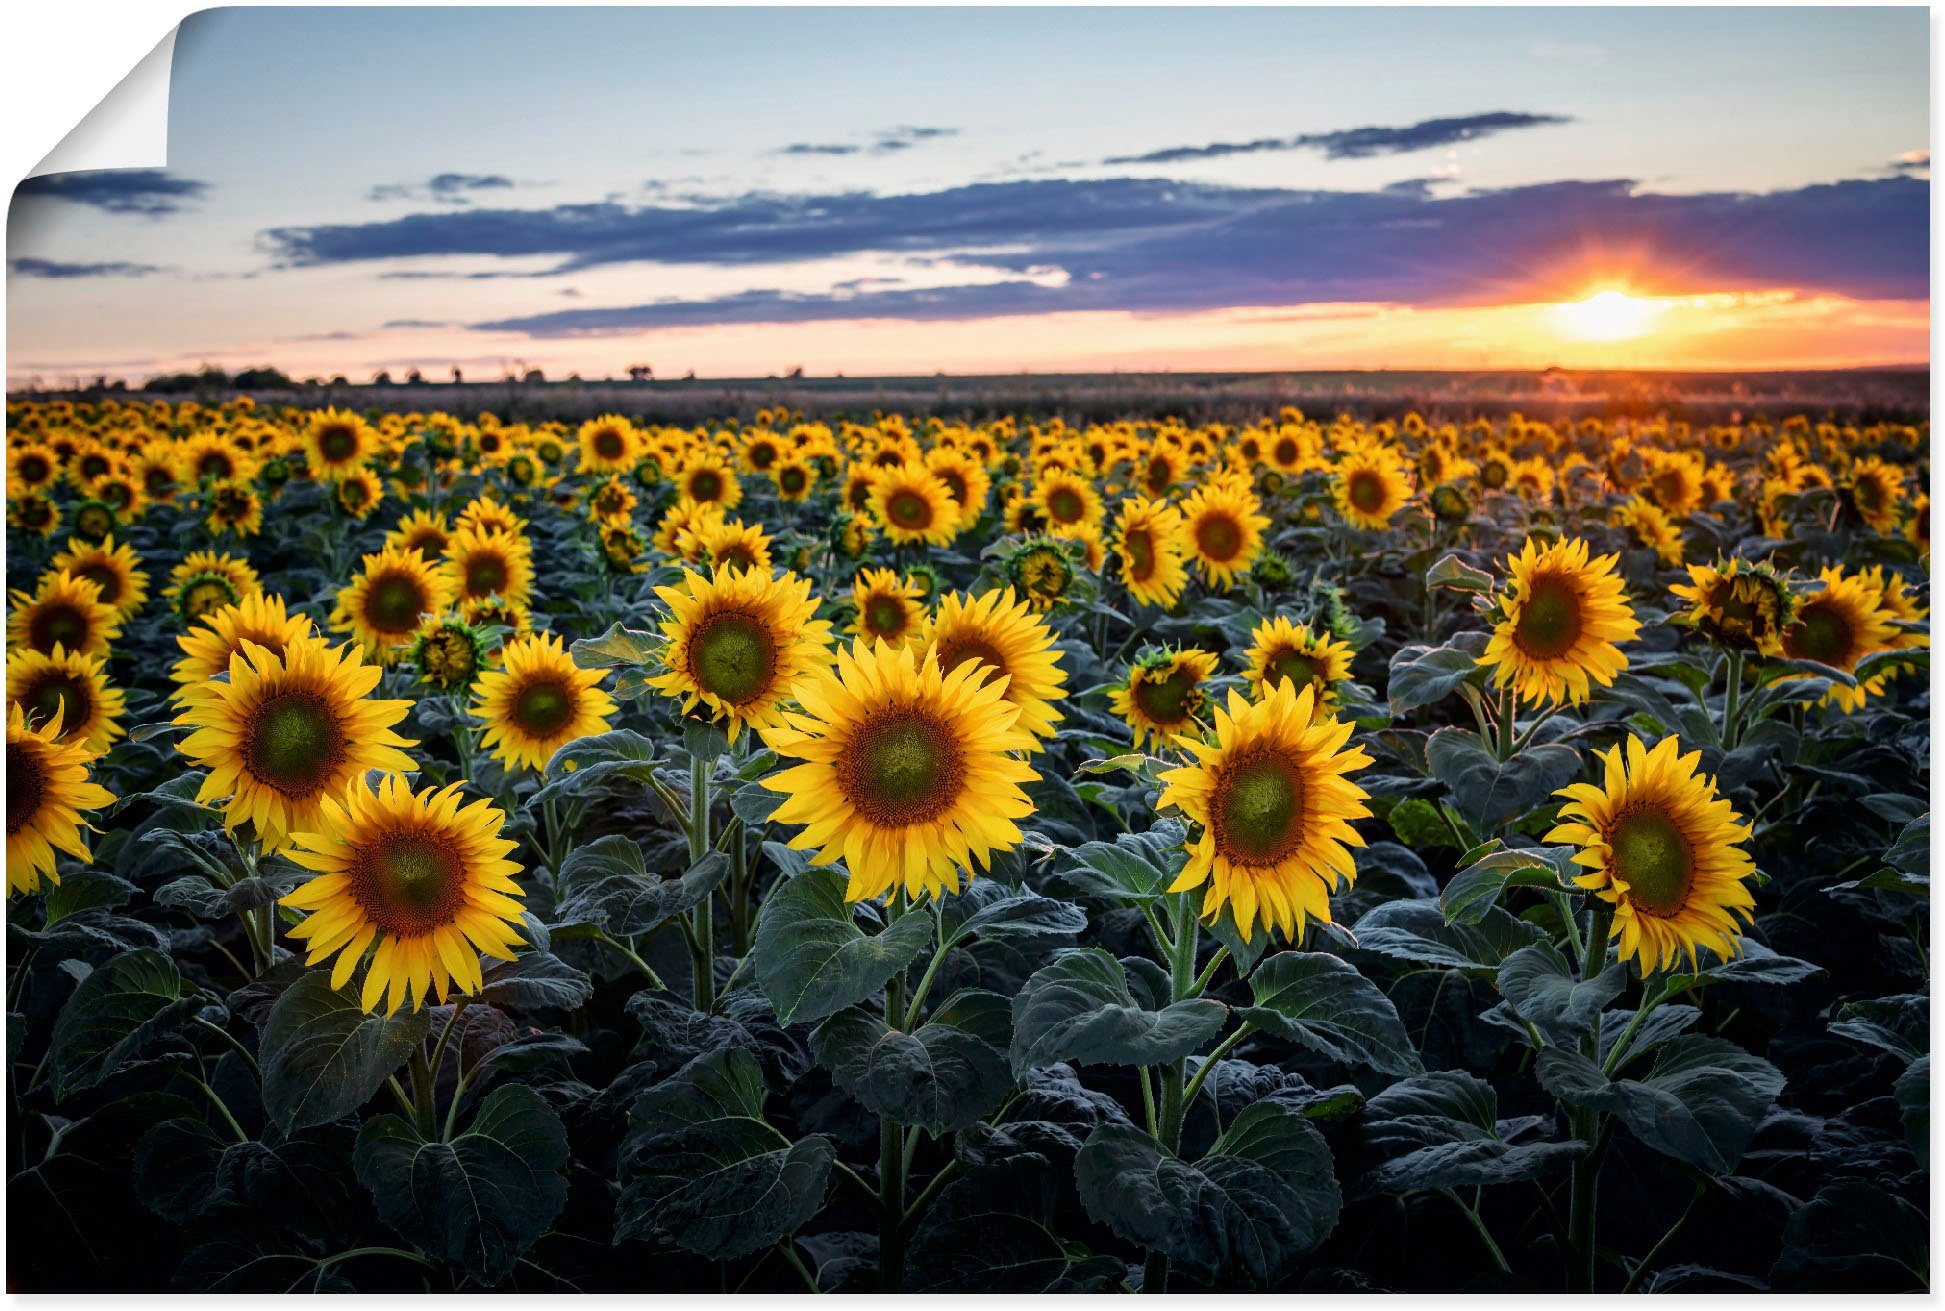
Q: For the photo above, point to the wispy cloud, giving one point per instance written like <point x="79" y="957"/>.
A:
<point x="148" y="191"/>
<point x="29" y="267"/>
<point x="1913" y="163"/>
<point x="444" y="188"/>
<point x="1358" y="142"/>
<point x="888" y="142"/>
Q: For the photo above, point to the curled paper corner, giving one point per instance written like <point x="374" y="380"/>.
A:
<point x="129" y="128"/>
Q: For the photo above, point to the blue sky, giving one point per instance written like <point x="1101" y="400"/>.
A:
<point x="614" y="184"/>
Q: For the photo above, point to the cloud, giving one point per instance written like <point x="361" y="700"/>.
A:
<point x="888" y="142"/>
<point x="1913" y="163"/>
<point x="444" y="188"/>
<point x="29" y="267"/>
<point x="149" y="191"/>
<point x="1151" y="246"/>
<point x="1358" y="142"/>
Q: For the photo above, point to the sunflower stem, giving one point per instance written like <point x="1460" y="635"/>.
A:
<point x="1654" y="1253"/>
<point x="704" y="971"/>
<point x="891" y="1157"/>
<point x="232" y="1040"/>
<point x="1732" y="703"/>
<point x="222" y="1108"/>
<point x="1479" y="1227"/>
<point x="1508" y="717"/>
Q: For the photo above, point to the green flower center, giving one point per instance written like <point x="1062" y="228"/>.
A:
<point x="1167" y="701"/>
<point x="206" y="595"/>
<point x="909" y="510"/>
<point x="1066" y="506"/>
<point x="58" y="623"/>
<point x="762" y="455"/>
<point x="791" y="480"/>
<point x="1294" y="665"/>
<point x="543" y="708"/>
<point x="1219" y="537"/>
<point x="1653" y="857"/>
<point x="885" y="616"/>
<point x="294" y="743"/>
<point x="409" y="883"/>
<point x="94" y="522"/>
<point x="733" y="657"/>
<point x="60" y="693"/>
<point x="1549" y="619"/>
<point x="901" y="767"/>
<point x="1367" y="491"/>
<point x="1258" y="807"/>
<point x="393" y="603"/>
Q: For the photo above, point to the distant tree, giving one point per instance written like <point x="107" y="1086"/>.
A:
<point x="457" y="376"/>
<point x="414" y="378"/>
<point x="383" y="378"/>
<point x="261" y="378"/>
<point x="534" y="377"/>
<point x="640" y="373"/>
<point x="339" y="380"/>
<point x="796" y="371"/>
<point x="690" y="376"/>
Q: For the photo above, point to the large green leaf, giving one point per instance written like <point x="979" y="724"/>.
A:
<point x="1079" y="1008"/>
<point x="118" y="1014"/>
<point x="1543" y="989"/>
<point x="1135" y="867"/>
<point x="996" y="913"/>
<point x="1900" y="1025"/>
<point x="622" y="759"/>
<point x="812" y="959"/>
<point x="482" y="1199"/>
<point x="702" y="1167"/>
<point x="1421" y="675"/>
<point x="994" y="1230"/>
<point x="1700" y="1103"/>
<point x="1913" y="1089"/>
<point x="1478" y="887"/>
<point x="1321" y="1003"/>
<point x="608" y="884"/>
<point x="1855" y="1236"/>
<point x="1441" y="1130"/>
<point x="324" y="1056"/>
<point x="1417" y="931"/>
<point x="1262" y="1196"/>
<point x="1491" y="792"/>
<point x="939" y="1077"/>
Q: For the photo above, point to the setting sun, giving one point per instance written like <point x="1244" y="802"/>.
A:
<point x="1607" y="316"/>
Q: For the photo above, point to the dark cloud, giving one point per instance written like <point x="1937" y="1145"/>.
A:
<point x="1149" y="246"/>
<point x="888" y="142"/>
<point x="444" y="188"/>
<point x="1914" y="162"/>
<point x="149" y="191"/>
<point x="1358" y="142"/>
<point x="28" y="267"/>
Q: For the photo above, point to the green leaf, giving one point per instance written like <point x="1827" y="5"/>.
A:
<point x="1419" y="825"/>
<point x="939" y="1077"/>
<point x="701" y="1166"/>
<point x="119" y="1013"/>
<point x="175" y="1168"/>
<point x="1321" y="1003"/>
<point x="1441" y="1130"/>
<point x="1135" y="867"/>
<point x="1491" y="792"/>
<point x="994" y="1230"/>
<point x="608" y="884"/>
<point x="482" y="1199"/>
<point x="1416" y="931"/>
<point x="632" y="654"/>
<point x="536" y="979"/>
<point x="1478" y="887"/>
<point x="1421" y="675"/>
<point x="1700" y="1103"/>
<point x="1543" y="990"/>
<point x="1079" y="1008"/>
<point x="1455" y="575"/>
<point x="587" y="764"/>
<point x="1858" y="1236"/>
<point x="1262" y="1196"/>
<point x="993" y="912"/>
<point x="1913" y="1089"/>
<point x="1900" y="1025"/>
<point x="812" y="959"/>
<point x="1754" y="963"/>
<point x="323" y="1056"/>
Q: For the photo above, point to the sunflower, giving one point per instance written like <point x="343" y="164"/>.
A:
<point x="492" y="612"/>
<point x="737" y="641"/>
<point x="488" y="562"/>
<point x="64" y="610"/>
<point x="965" y="477"/>
<point x="33" y="513"/>
<point x="727" y="544"/>
<point x="914" y="506"/>
<point x="1651" y="527"/>
<point x="423" y="883"/>
<point x="116" y="570"/>
<point x="212" y="640"/>
<point x="1876" y="491"/>
<point x="1369" y="487"/>
<point x="337" y="442"/>
<point x="47" y="789"/>
<point x="421" y="531"/>
<point x="909" y="773"/>
<point x="1560" y="617"/>
<point x="212" y="457"/>
<point x="1917" y="529"/>
<point x="609" y="444"/>
<point x="708" y="479"/>
<point x="1664" y="850"/>
<point x="1066" y="500"/>
<point x="285" y="732"/>
<point x="1738" y="605"/>
<point x="1895" y="598"/>
<point x="358" y="493"/>
<point x="622" y="548"/>
<point x="1839" y="626"/>
<point x="612" y="502"/>
<point x="1269" y="792"/>
<point x="890" y="609"/>
<point x="997" y="630"/>
<point x="1281" y="651"/>
<point x="1674" y="480"/>
<point x="795" y="478"/>
<point x="206" y="581"/>
<point x="1163" y="696"/>
<point x="538" y="702"/>
<point x="31" y="467"/>
<point x="71" y="688"/>
<point x="383" y="603"/>
<point x="448" y="653"/>
<point x="483" y="514"/>
<point x="1160" y="470"/>
<point x="1046" y="570"/>
<point x="857" y="487"/>
<point x="1224" y="527"/>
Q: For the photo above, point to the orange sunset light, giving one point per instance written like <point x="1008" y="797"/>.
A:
<point x="1608" y="315"/>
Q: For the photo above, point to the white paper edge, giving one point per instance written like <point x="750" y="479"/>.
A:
<point x="129" y="128"/>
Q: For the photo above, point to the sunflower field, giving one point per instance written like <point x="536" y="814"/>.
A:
<point x="1322" y="854"/>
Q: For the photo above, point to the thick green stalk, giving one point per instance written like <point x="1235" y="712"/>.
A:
<point x="1182" y="984"/>
<point x="1586" y="1125"/>
<point x="891" y="1161"/>
<point x="704" y="928"/>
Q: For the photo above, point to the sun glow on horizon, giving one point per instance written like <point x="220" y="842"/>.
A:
<point x="1608" y="315"/>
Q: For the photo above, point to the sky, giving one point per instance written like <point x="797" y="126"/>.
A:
<point x="739" y="192"/>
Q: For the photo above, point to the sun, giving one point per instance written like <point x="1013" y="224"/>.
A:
<point x="1609" y="315"/>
